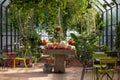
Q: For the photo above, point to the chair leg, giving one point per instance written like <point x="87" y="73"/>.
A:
<point x="93" y="72"/>
<point x="108" y="76"/>
<point x="4" y="64"/>
<point x="97" y="74"/>
<point x="83" y="73"/>
<point x="25" y="63"/>
<point x="118" y="74"/>
<point x="113" y="75"/>
<point x="14" y="63"/>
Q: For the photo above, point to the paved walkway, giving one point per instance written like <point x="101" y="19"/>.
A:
<point x="72" y="72"/>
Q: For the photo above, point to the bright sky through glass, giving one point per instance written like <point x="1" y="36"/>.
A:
<point x="103" y="2"/>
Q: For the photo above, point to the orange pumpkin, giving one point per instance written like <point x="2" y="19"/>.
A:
<point x="55" y="44"/>
<point x="45" y="41"/>
<point x="71" y="41"/>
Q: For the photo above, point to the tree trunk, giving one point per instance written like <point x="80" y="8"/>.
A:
<point x="60" y="33"/>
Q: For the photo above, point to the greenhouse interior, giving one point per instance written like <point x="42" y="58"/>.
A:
<point x="60" y="39"/>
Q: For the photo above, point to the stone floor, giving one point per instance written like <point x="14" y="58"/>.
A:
<point x="72" y="72"/>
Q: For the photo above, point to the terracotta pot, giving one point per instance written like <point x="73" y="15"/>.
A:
<point x="49" y="60"/>
<point x="28" y="61"/>
<point x="10" y="62"/>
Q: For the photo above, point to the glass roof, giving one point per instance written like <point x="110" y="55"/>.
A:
<point x="1" y="1"/>
<point x="101" y="1"/>
<point x="118" y="1"/>
<point x="6" y="3"/>
<point x="98" y="4"/>
<point x="98" y="9"/>
<point x="105" y="1"/>
<point x="104" y="5"/>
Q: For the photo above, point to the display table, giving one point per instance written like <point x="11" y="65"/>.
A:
<point x="59" y="55"/>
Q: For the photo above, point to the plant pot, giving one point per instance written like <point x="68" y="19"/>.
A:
<point x="50" y="60"/>
<point x="10" y="62"/>
<point x="28" y="61"/>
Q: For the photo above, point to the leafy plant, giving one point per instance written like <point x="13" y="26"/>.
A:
<point x="24" y="20"/>
<point x="84" y="43"/>
<point x="117" y="40"/>
<point x="104" y="48"/>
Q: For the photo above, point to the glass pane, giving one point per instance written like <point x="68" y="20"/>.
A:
<point x="109" y="17"/>
<point x="107" y="7"/>
<point x="118" y="1"/>
<point x="104" y="39"/>
<point x="104" y="18"/>
<point x="96" y="8"/>
<point x="100" y="5"/>
<point x="4" y="40"/>
<point x="101" y="1"/>
<point x="6" y="2"/>
<point x="119" y="13"/>
<point x="113" y="29"/>
<point x="114" y="15"/>
<point x="1" y="1"/>
<point x="113" y="45"/>
<point x="109" y="1"/>
<point x="113" y="5"/>
<point x="109" y="30"/>
<point x="109" y="40"/>
<point x="3" y="20"/>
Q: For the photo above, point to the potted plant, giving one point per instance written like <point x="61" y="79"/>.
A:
<point x="24" y="21"/>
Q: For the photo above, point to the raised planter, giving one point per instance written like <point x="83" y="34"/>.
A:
<point x="59" y="55"/>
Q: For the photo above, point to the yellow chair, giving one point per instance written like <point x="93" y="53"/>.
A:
<point x="96" y="58"/>
<point x="21" y="59"/>
<point x="109" y="68"/>
<point x="96" y="61"/>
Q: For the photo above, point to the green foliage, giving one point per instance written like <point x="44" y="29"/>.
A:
<point x="24" y="20"/>
<point x="46" y="12"/>
<point x="117" y="40"/>
<point x="85" y="43"/>
<point x="99" y="22"/>
<point x="74" y="15"/>
<point x="104" y="48"/>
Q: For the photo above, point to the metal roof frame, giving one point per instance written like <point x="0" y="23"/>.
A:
<point x="1" y="4"/>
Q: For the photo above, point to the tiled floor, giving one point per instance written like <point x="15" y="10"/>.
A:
<point x="72" y="72"/>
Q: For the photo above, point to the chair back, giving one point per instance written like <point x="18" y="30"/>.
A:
<point x="96" y="57"/>
<point x="109" y="62"/>
<point x="99" y="52"/>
